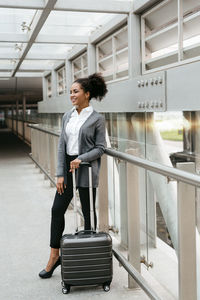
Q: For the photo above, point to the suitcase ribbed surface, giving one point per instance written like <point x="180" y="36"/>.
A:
<point x="86" y="258"/>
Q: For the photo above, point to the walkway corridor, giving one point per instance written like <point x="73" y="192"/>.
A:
<point x="25" y="202"/>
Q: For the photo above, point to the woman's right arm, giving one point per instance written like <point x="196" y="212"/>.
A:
<point x="61" y="160"/>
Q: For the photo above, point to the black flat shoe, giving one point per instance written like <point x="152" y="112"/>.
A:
<point x="44" y="274"/>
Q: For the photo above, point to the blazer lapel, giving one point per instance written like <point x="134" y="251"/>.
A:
<point x="66" y="121"/>
<point x="85" y="124"/>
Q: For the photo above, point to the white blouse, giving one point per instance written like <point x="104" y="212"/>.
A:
<point x="73" y="126"/>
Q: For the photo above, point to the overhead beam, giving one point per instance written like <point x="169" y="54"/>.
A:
<point x="108" y="28"/>
<point x="31" y="4"/>
<point x="34" y="56"/>
<point x="42" y="17"/>
<point x="28" y="67"/>
<point x="103" y="6"/>
<point x="7" y="75"/>
<point x="62" y="39"/>
<point x="43" y="39"/>
<point x="29" y="74"/>
<point x="140" y="6"/>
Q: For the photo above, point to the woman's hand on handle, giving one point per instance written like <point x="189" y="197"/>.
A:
<point x="74" y="164"/>
<point x="60" y="185"/>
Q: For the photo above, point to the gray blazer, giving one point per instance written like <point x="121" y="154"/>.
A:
<point x="91" y="144"/>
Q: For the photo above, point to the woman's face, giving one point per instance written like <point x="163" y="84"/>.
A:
<point x="78" y="96"/>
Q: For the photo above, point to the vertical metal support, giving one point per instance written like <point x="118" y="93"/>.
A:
<point x="12" y="115"/>
<point x="186" y="237"/>
<point x="47" y="153"/>
<point x="103" y="196"/>
<point x="36" y="145"/>
<point x="52" y="157"/>
<point x="143" y="44"/>
<point x="196" y="135"/>
<point x="17" y="115"/>
<point x="151" y="211"/>
<point x="134" y="51"/>
<point x="41" y="149"/>
<point x="53" y="84"/>
<point x="33" y="142"/>
<point x="24" y="117"/>
<point x="75" y="201"/>
<point x="91" y="198"/>
<point x="123" y="203"/>
<point x="180" y="30"/>
<point x="44" y="88"/>
<point x="123" y="132"/>
<point x="133" y="208"/>
<point x="68" y="68"/>
<point x="91" y="57"/>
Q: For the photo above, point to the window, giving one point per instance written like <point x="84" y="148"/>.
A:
<point x="49" y="87"/>
<point x="170" y="34"/>
<point x="112" y="56"/>
<point x="80" y="67"/>
<point x="61" y="81"/>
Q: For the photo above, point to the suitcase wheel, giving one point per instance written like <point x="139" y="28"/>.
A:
<point x="106" y="287"/>
<point x="66" y="289"/>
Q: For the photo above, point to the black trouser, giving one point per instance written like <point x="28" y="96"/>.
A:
<point x="61" y="203"/>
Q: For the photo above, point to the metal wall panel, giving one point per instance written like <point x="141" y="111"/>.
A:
<point x="177" y="89"/>
<point x="183" y="88"/>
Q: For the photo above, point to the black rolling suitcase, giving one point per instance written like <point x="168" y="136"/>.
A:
<point x="86" y="256"/>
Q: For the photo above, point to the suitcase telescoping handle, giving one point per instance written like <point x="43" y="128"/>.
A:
<point x="90" y="195"/>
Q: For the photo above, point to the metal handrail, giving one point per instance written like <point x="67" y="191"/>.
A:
<point x="170" y="172"/>
<point x="43" y="130"/>
<point x="167" y="171"/>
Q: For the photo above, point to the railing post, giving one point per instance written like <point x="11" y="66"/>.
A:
<point x="12" y="115"/>
<point x="24" y="117"/>
<point x="47" y="153"/>
<point x="52" y="158"/>
<point x="133" y="218"/>
<point x="186" y="237"/>
<point x="33" y="142"/>
<point x="17" y="116"/>
<point x="103" y="196"/>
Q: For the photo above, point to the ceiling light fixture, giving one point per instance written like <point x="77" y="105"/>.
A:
<point x="18" y="47"/>
<point x="25" y="27"/>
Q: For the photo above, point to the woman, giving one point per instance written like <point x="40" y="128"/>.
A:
<point x="82" y="139"/>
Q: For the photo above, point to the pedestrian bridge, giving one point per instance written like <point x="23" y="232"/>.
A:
<point x="26" y="200"/>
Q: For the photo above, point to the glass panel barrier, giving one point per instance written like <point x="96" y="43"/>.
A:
<point x="126" y="133"/>
<point x="162" y="237"/>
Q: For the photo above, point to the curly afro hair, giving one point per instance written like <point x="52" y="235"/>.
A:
<point x="95" y="84"/>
